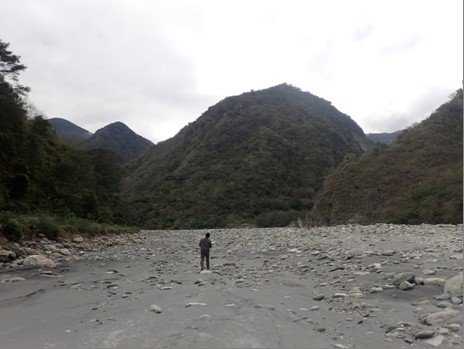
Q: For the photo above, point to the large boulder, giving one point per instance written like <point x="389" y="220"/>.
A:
<point x="454" y="286"/>
<point x="7" y="256"/>
<point x="39" y="261"/>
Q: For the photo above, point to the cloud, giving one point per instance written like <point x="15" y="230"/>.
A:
<point x="158" y="65"/>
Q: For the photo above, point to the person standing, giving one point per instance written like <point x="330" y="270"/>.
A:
<point x="205" y="244"/>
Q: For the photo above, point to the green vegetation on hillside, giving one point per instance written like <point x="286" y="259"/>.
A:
<point x="263" y="158"/>
<point x="260" y="152"/>
<point x="41" y="175"/>
<point x="415" y="179"/>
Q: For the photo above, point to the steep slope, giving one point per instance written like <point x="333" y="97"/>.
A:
<point x="120" y="139"/>
<point x="415" y="179"/>
<point x="260" y="152"/>
<point x="67" y="131"/>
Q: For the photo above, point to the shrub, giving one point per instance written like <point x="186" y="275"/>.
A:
<point x="48" y="227"/>
<point x="12" y="229"/>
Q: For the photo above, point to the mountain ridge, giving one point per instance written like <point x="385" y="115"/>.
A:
<point x="245" y="156"/>
<point x="68" y="131"/>
<point x="415" y="179"/>
<point x="116" y="136"/>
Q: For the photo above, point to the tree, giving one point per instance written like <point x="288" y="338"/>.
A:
<point x="10" y="68"/>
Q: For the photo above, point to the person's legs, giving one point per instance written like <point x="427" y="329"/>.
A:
<point x="207" y="260"/>
<point x="202" y="260"/>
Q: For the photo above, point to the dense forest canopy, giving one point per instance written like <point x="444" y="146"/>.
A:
<point x="257" y="157"/>
<point x="264" y="157"/>
<point x="38" y="173"/>
<point x="415" y="179"/>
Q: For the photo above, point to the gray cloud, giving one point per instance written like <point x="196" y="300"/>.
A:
<point x="158" y="65"/>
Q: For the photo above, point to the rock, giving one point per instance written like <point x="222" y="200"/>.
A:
<point x="405" y="285"/>
<point x="7" y="256"/>
<point x="155" y="308"/>
<point x="39" y="261"/>
<point x="78" y="239"/>
<point x="64" y="252"/>
<point x="456" y="300"/>
<point x="429" y="272"/>
<point x="442" y="297"/>
<point x="318" y="297"/>
<point x="435" y="341"/>
<point x="454" y="327"/>
<point x="444" y="304"/>
<point x="376" y="267"/>
<point x="454" y="286"/>
<point x="193" y="304"/>
<point x="376" y="289"/>
<point x="205" y="271"/>
<point x="424" y="334"/>
<point x="434" y="281"/>
<point x="399" y="278"/>
<point x="339" y="295"/>
<point x="441" y="316"/>
<point x="229" y="264"/>
<point x="265" y="306"/>
<point x="13" y="279"/>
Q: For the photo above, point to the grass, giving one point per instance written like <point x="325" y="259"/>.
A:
<point x="55" y="228"/>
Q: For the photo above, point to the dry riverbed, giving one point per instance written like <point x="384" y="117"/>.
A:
<point x="382" y="286"/>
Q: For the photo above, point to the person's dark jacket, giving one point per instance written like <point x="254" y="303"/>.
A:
<point x="205" y="244"/>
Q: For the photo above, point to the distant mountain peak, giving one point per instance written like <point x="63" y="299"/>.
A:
<point x="69" y="132"/>
<point x="119" y="138"/>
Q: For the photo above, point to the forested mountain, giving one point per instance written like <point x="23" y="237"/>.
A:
<point x="116" y="137"/>
<point x="41" y="174"/>
<point x="384" y="137"/>
<point x="415" y="179"/>
<point x="264" y="157"/>
<point x="69" y="132"/>
<point x="120" y="139"/>
<point x="261" y="153"/>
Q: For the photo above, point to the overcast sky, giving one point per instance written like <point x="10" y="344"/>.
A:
<point x="158" y="65"/>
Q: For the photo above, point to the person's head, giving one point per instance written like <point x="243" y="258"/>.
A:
<point x="207" y="235"/>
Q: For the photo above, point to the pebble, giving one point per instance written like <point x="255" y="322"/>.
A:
<point x="265" y="306"/>
<point x="353" y="258"/>
<point x="376" y="289"/>
<point x="318" y="297"/>
<point x="156" y="309"/>
<point x="424" y="334"/>
<point x="339" y="295"/>
<point x="454" y="327"/>
<point x="12" y="279"/>
<point x="194" y="304"/>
